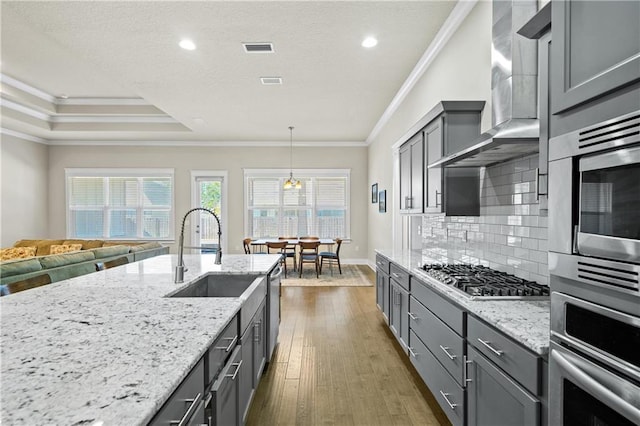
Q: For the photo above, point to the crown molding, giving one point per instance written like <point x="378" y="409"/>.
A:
<point x="20" y="85"/>
<point x="23" y="136"/>
<point x="229" y="144"/>
<point x="449" y="27"/>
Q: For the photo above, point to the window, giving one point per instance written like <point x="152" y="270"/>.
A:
<point x="320" y="207"/>
<point x="120" y="204"/>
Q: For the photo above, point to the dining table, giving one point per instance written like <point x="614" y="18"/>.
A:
<point x="262" y="242"/>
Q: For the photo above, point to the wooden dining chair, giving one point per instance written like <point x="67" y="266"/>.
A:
<point x="246" y="243"/>
<point x="290" y="251"/>
<point x="331" y="257"/>
<point x="279" y="247"/>
<point x="309" y="254"/>
<point x="309" y="238"/>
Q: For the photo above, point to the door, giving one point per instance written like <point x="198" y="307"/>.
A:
<point x="405" y="177"/>
<point x="208" y="191"/>
<point x="417" y="174"/>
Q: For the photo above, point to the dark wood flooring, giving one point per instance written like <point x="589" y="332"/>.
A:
<point x="338" y="364"/>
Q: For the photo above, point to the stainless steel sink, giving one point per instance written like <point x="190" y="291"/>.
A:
<point x="218" y="286"/>
<point x="250" y="289"/>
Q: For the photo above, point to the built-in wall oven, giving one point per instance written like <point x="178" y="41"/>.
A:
<point x="594" y="267"/>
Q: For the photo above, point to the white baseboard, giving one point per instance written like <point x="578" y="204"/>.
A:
<point x="354" y="262"/>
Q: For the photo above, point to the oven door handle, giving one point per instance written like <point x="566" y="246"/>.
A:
<point x="568" y="363"/>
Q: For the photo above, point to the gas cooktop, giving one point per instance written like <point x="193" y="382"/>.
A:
<point x="480" y="282"/>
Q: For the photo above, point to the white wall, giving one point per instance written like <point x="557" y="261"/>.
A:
<point x="233" y="160"/>
<point x="25" y="194"/>
<point x="462" y="71"/>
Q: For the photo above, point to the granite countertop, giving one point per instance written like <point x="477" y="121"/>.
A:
<point x="524" y="321"/>
<point x="108" y="348"/>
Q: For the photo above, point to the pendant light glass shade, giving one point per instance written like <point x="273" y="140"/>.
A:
<point x="291" y="182"/>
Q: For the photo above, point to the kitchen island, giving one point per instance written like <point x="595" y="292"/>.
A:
<point x="110" y="347"/>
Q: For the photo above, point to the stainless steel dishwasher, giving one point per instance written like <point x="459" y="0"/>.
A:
<point x="273" y="316"/>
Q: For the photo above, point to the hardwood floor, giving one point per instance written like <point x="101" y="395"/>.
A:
<point x="337" y="364"/>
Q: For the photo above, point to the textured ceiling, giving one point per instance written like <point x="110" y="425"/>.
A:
<point x="334" y="90"/>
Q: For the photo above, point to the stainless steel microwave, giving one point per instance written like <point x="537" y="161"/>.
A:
<point x="608" y="220"/>
<point x="594" y="191"/>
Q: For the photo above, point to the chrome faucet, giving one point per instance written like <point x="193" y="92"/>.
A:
<point x="180" y="268"/>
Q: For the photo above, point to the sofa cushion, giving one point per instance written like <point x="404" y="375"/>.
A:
<point x="145" y="246"/>
<point x="44" y="246"/>
<point x="86" y="244"/>
<point x="17" y="267"/>
<point x="109" y="251"/>
<point x="57" y="260"/>
<point x="17" y="253"/>
<point x="65" y="248"/>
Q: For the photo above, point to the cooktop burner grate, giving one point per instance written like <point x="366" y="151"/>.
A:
<point x="478" y="281"/>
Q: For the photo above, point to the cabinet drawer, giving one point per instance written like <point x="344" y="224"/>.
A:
<point x="221" y="349"/>
<point x="184" y="401"/>
<point x="515" y="360"/>
<point x="382" y="263"/>
<point x="449" y="313"/>
<point x="400" y="276"/>
<point x="443" y="342"/>
<point x="447" y="392"/>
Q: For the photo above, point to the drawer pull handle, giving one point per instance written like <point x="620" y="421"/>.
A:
<point x="445" y="396"/>
<point x="233" y="339"/>
<point x="412" y="353"/>
<point x="189" y="413"/>
<point x="235" y="373"/>
<point x="491" y="348"/>
<point x="446" y="351"/>
<point x="395" y="275"/>
<point x="413" y="317"/>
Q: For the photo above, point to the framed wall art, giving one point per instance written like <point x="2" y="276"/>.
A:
<point x="382" y="201"/>
<point x="374" y="193"/>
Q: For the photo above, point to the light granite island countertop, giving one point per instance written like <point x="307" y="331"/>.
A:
<point x="109" y="348"/>
<point x="525" y="321"/>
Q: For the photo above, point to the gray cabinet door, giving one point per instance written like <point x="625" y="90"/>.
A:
<point x="405" y="177"/>
<point x="380" y="289"/>
<point x="386" y="297"/>
<point x="495" y="399"/>
<point x="399" y="315"/>
<point x="245" y="376"/>
<point x="416" y="203"/>
<point x="433" y="148"/>
<point x="259" y="345"/>
<point x="224" y="392"/>
<point x="596" y="49"/>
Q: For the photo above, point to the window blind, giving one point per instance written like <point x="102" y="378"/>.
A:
<point x="320" y="207"/>
<point x="120" y="204"/>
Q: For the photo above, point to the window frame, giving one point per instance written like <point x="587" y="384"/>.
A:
<point x="105" y="173"/>
<point x="282" y="175"/>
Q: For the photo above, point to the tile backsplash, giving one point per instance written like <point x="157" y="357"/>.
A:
<point x="510" y="235"/>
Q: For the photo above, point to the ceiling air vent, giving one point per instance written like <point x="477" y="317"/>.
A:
<point x="271" y="80"/>
<point x="258" y="47"/>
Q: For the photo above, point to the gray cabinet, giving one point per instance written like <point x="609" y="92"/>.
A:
<point x="183" y="404"/>
<point x="224" y="403"/>
<point x="596" y="50"/>
<point x="453" y="191"/>
<point x="398" y="315"/>
<point x="495" y="399"/>
<point x="382" y="286"/>
<point x="411" y="175"/>
<point x="253" y="344"/>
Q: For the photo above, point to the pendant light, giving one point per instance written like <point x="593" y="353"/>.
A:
<point x="291" y="182"/>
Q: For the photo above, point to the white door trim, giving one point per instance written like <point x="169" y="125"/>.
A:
<point x="217" y="174"/>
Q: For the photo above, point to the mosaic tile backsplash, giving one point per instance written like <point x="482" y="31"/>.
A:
<point x="510" y="235"/>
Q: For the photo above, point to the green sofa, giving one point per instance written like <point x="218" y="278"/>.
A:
<point x="68" y="265"/>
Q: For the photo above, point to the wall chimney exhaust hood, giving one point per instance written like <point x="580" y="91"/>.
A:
<point x="514" y="92"/>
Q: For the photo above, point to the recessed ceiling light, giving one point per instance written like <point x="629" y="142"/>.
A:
<point x="268" y="81"/>
<point x="64" y="96"/>
<point x="198" y="120"/>
<point x="369" y="42"/>
<point x="187" y="44"/>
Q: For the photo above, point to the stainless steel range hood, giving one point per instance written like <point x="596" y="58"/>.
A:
<point x="514" y="92"/>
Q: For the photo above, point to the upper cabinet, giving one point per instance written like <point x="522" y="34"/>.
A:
<point x="412" y="175"/>
<point x="447" y="128"/>
<point x="596" y="49"/>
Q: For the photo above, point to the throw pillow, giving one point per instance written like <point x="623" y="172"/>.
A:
<point x="64" y="248"/>
<point x="17" y="253"/>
